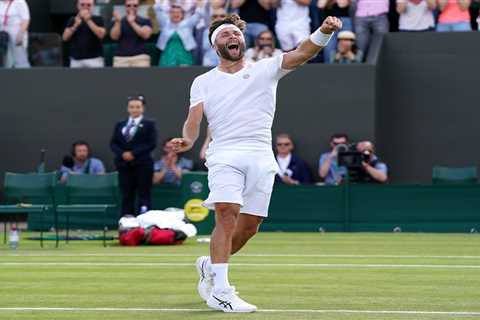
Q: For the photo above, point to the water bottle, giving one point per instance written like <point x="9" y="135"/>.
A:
<point x="13" y="238"/>
<point x="143" y="209"/>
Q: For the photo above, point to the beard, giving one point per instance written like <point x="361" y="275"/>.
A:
<point x="224" y="52"/>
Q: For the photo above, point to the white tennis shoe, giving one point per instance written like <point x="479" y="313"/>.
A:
<point x="227" y="300"/>
<point x="205" y="283"/>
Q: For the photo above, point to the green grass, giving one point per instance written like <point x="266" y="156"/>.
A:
<point x="282" y="273"/>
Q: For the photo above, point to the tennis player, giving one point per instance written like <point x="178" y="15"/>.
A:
<point x="238" y="100"/>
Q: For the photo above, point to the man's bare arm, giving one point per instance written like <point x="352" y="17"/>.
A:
<point x="237" y="3"/>
<point x="308" y="49"/>
<point x="191" y="129"/>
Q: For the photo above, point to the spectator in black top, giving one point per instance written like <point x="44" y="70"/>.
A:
<point x="257" y="15"/>
<point x="131" y="32"/>
<point x="85" y="33"/>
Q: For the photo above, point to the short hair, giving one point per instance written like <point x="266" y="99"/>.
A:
<point x="137" y="97"/>
<point x="229" y="19"/>
<point x="284" y="136"/>
<point x="339" y="136"/>
<point x="80" y="143"/>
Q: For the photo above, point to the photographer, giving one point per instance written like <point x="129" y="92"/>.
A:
<point x="264" y="47"/>
<point x="328" y="168"/>
<point x="371" y="169"/>
<point x="80" y="161"/>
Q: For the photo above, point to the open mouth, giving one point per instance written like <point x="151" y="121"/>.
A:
<point x="233" y="46"/>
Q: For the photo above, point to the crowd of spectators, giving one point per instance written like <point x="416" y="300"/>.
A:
<point x="273" y="26"/>
<point x="292" y="169"/>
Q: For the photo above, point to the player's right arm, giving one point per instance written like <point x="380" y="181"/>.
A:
<point x="312" y="45"/>
<point x="191" y="129"/>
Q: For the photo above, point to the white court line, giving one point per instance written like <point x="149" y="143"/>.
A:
<point x="180" y="264"/>
<point x="405" y="312"/>
<point x="272" y="255"/>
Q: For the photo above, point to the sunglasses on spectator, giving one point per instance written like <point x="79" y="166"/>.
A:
<point x="263" y="38"/>
<point x="88" y="5"/>
<point x="132" y="5"/>
<point x="283" y="144"/>
<point x="215" y="16"/>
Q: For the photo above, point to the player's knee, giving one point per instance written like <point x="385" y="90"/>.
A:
<point x="227" y="222"/>
<point x="226" y="216"/>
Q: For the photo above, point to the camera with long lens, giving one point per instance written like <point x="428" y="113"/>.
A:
<point x="352" y="159"/>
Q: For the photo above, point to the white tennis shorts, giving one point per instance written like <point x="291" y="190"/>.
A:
<point x="242" y="177"/>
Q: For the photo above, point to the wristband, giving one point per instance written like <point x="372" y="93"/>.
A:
<point x="320" y="39"/>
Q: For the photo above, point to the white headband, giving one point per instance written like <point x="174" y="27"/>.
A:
<point x="222" y="27"/>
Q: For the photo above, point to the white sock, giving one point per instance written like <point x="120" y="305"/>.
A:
<point x="220" y="276"/>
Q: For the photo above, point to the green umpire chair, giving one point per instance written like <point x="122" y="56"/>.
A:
<point x="32" y="194"/>
<point x="449" y="175"/>
<point x="88" y="195"/>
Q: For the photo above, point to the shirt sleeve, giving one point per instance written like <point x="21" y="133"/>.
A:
<point x="185" y="164"/>
<point x="382" y="167"/>
<point x="23" y="10"/>
<point x="196" y="93"/>
<point x="322" y="159"/>
<point x="273" y="67"/>
<point x="158" y="166"/>
<point x="98" y="167"/>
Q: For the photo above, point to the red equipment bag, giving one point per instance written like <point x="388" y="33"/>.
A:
<point x="157" y="236"/>
<point x="132" y="237"/>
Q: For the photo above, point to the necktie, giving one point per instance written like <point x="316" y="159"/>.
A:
<point x="128" y="131"/>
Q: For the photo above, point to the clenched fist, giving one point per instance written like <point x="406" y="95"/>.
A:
<point x="181" y="144"/>
<point x="330" y="25"/>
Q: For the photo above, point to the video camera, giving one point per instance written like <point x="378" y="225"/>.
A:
<point x="350" y="157"/>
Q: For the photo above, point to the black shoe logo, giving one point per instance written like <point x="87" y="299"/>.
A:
<point x="202" y="269"/>
<point x="223" y="303"/>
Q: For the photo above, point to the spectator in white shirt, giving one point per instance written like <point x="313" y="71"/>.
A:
<point x="14" y="20"/>
<point x="416" y="15"/>
<point x="293" y="23"/>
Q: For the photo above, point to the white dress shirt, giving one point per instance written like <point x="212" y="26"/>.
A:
<point x="283" y="164"/>
<point x="133" y="128"/>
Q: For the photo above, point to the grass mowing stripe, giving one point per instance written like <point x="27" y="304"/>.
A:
<point x="305" y="265"/>
<point x="140" y="255"/>
<point x="407" y="312"/>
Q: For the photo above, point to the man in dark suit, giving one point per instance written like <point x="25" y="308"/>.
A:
<point x="132" y="143"/>
<point x="293" y="170"/>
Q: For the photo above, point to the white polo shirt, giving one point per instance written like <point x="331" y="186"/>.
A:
<point x="240" y="107"/>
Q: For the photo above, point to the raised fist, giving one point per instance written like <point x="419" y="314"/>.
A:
<point x="330" y="25"/>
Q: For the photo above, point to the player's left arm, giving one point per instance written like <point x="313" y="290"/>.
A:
<point x="310" y="47"/>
